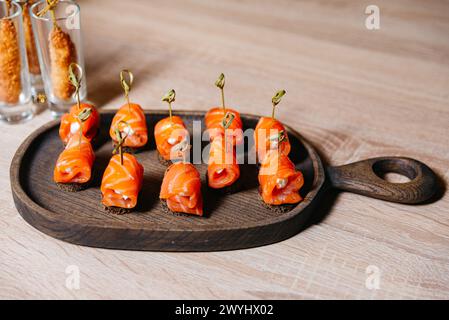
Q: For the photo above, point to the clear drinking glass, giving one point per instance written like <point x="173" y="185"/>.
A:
<point x="15" y="91"/>
<point x="59" y="44"/>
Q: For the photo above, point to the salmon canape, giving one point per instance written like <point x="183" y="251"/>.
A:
<point x="169" y="132"/>
<point x="83" y="117"/>
<point x="73" y="170"/>
<point x="122" y="179"/>
<point x="181" y="189"/>
<point x="270" y="134"/>
<point x="214" y="123"/>
<point x="181" y="186"/>
<point x="121" y="183"/>
<point x="216" y="117"/>
<point x="130" y="119"/>
<point x="279" y="181"/>
<point x="223" y="172"/>
<point x="71" y="122"/>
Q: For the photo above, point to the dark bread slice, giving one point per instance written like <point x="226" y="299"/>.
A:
<point x="117" y="210"/>
<point x="279" y="209"/>
<point x="73" y="187"/>
<point x="276" y="208"/>
<point x="163" y="161"/>
<point x="167" y="210"/>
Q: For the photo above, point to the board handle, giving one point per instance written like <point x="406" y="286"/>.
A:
<point x="365" y="177"/>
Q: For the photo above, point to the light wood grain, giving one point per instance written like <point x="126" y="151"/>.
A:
<point x="355" y="93"/>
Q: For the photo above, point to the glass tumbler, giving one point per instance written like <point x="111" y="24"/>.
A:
<point x="15" y="90"/>
<point x="59" y="43"/>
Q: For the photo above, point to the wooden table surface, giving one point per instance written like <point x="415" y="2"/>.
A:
<point x="355" y="93"/>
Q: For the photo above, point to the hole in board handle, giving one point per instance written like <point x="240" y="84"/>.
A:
<point x="395" y="170"/>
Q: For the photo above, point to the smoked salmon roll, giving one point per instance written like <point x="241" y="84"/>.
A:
<point x="181" y="189"/>
<point x="221" y="121"/>
<point x="214" y="124"/>
<point x="73" y="170"/>
<point x="168" y="133"/>
<point x="121" y="183"/>
<point x="223" y="172"/>
<point x="279" y="181"/>
<point x="270" y="134"/>
<point x="130" y="119"/>
<point x="85" y="115"/>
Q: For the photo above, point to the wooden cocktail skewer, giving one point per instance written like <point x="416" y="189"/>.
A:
<point x="120" y="140"/>
<point x="280" y="137"/>
<point x="170" y="97"/>
<point x="226" y="123"/>
<point x="220" y="83"/>
<point x="51" y="5"/>
<point x="276" y="100"/>
<point x="75" y="80"/>
<point x="127" y="84"/>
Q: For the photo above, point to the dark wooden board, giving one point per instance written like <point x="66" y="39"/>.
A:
<point x="232" y="221"/>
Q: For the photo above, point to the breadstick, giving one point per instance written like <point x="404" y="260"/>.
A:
<point x="33" y="61"/>
<point x="62" y="54"/>
<point x="10" y="64"/>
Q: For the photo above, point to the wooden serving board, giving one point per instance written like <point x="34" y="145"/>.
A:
<point x="232" y="221"/>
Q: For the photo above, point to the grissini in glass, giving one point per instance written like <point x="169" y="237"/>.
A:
<point x="30" y="44"/>
<point x="15" y="92"/>
<point x="57" y="30"/>
<point x="37" y="86"/>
